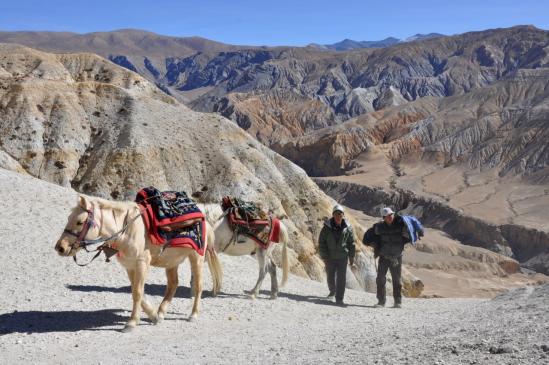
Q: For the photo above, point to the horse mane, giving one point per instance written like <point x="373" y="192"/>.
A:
<point x="114" y="205"/>
<point x="109" y="204"/>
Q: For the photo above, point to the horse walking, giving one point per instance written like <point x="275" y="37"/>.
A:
<point x="227" y="242"/>
<point x="120" y="226"/>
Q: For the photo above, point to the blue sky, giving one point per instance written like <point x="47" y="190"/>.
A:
<point x="282" y="22"/>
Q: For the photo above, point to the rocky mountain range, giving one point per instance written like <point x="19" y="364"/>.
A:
<point x="320" y="89"/>
<point x="316" y="88"/>
<point x="143" y="52"/>
<point x="349" y="44"/>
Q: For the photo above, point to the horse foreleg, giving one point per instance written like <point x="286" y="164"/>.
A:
<point x="274" y="282"/>
<point x="131" y="275"/>
<point x="262" y="272"/>
<point x="137" y="279"/>
<point x="171" y="287"/>
<point x="197" y="263"/>
<point x="145" y="305"/>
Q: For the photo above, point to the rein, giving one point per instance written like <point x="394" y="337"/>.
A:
<point x="83" y="243"/>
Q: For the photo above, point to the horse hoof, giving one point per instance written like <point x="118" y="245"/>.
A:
<point x="159" y="319"/>
<point x="251" y="294"/>
<point x="274" y="296"/>
<point x="192" y="319"/>
<point x="153" y="317"/>
<point x="127" y="329"/>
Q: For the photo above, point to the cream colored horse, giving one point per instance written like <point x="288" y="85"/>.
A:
<point x="96" y="218"/>
<point x="226" y="242"/>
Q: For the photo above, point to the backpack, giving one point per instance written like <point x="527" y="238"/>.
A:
<point x="373" y="240"/>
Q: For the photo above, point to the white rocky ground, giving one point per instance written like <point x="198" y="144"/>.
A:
<point x="52" y="311"/>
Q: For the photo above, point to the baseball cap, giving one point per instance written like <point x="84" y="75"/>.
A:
<point x="338" y="208"/>
<point x="386" y="211"/>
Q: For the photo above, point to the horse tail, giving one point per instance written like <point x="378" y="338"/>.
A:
<point x="215" y="270"/>
<point x="213" y="264"/>
<point x="285" y="263"/>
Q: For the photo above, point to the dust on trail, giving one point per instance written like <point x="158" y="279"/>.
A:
<point x="52" y="311"/>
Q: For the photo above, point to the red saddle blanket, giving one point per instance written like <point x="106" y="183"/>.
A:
<point x="246" y="219"/>
<point x="184" y="229"/>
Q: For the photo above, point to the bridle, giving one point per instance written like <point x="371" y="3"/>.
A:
<point x="80" y="237"/>
<point x="81" y="242"/>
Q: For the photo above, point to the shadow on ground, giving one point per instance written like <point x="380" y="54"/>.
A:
<point x="156" y="290"/>
<point x="310" y="299"/>
<point x="185" y="292"/>
<point x="62" y="321"/>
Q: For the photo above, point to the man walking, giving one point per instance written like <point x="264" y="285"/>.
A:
<point x="336" y="245"/>
<point x="392" y="233"/>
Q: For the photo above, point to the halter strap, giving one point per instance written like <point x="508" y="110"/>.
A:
<point x="90" y="222"/>
<point x="83" y="243"/>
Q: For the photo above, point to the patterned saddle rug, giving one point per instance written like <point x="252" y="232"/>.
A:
<point x="172" y="219"/>
<point x="248" y="219"/>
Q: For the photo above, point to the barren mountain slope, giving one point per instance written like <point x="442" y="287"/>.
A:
<point x="502" y="126"/>
<point x="144" y="52"/>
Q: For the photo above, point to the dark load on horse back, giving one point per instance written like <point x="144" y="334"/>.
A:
<point x="249" y="219"/>
<point x="172" y="218"/>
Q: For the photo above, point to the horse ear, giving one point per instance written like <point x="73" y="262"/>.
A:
<point x="83" y="202"/>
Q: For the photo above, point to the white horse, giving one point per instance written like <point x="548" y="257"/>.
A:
<point x="120" y="226"/>
<point x="226" y="242"/>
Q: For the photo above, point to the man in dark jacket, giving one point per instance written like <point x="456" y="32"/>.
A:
<point x="336" y="245"/>
<point x="392" y="233"/>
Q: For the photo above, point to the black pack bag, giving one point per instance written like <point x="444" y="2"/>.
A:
<point x="167" y="204"/>
<point x="373" y="240"/>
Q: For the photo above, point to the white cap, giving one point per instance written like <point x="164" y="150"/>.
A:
<point x="337" y="208"/>
<point x="386" y="211"/>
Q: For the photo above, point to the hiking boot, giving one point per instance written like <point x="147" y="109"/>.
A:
<point x="397" y="305"/>
<point x="340" y="303"/>
<point x="331" y="296"/>
<point x="379" y="305"/>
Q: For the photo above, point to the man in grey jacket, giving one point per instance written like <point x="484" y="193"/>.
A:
<point x="392" y="234"/>
<point x="336" y="245"/>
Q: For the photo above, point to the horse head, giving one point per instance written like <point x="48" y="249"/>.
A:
<point x="81" y="224"/>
